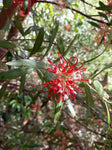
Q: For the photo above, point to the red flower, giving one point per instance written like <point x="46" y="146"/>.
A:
<point x="58" y="133"/>
<point x="99" y="122"/>
<point x="110" y="111"/>
<point x="64" y="85"/>
<point x="68" y="27"/>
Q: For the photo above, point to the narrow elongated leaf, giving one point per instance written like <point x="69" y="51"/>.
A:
<point x="103" y="15"/>
<point x="108" y="114"/>
<point x="23" y="79"/>
<point x="14" y="73"/>
<point x="58" y="111"/>
<point x="40" y="75"/>
<point x="49" y="76"/>
<point x="94" y="24"/>
<point x="98" y="86"/>
<point x="27" y="63"/>
<point x="69" y="47"/>
<point x="19" y="26"/>
<point x="61" y="46"/>
<point x="104" y="7"/>
<point x="105" y="80"/>
<point x="38" y="42"/>
<point x="27" y="31"/>
<point x="31" y="28"/>
<point x="70" y="107"/>
<point x="9" y="56"/>
<point x="3" y="89"/>
<point x="7" y="3"/>
<point x="72" y="42"/>
<point x="89" y="97"/>
<point x="25" y="4"/>
<point x="52" y="37"/>
<point x="6" y="44"/>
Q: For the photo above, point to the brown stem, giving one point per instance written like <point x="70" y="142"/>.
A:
<point x="73" y="9"/>
<point x="88" y="3"/>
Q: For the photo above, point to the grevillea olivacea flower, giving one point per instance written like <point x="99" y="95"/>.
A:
<point x="64" y="85"/>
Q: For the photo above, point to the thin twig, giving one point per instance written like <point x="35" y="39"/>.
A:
<point x="73" y="9"/>
<point x="88" y="3"/>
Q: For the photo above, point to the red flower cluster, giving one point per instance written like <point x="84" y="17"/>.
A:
<point x="64" y="85"/>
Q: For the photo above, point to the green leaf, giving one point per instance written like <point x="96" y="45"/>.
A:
<point x="104" y="7"/>
<point x="9" y="56"/>
<point x="38" y="42"/>
<point x="52" y="37"/>
<point x="27" y="31"/>
<point x="25" y="3"/>
<point x="5" y="116"/>
<point x="40" y="75"/>
<point x="89" y="97"/>
<point x="70" y="107"/>
<point x="79" y="23"/>
<point x="14" y="73"/>
<point x="23" y="79"/>
<point x="3" y="89"/>
<point x="49" y="76"/>
<point x="7" y="3"/>
<point x="72" y="42"/>
<point x="58" y="111"/>
<point x="27" y="63"/>
<point x="19" y="26"/>
<point x="31" y="28"/>
<point x="108" y="114"/>
<point x="103" y="15"/>
<point x="60" y="45"/>
<point x="105" y="79"/>
<point x="6" y="44"/>
<point x="98" y="86"/>
<point x="94" y="24"/>
<point x="101" y="4"/>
